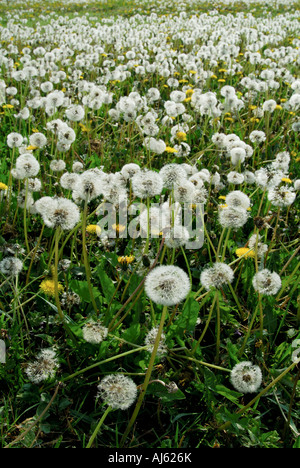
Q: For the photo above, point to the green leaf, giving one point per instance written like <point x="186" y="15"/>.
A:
<point x="187" y="319"/>
<point x="107" y="284"/>
<point x="132" y="334"/>
<point x="228" y="393"/>
<point x="81" y="288"/>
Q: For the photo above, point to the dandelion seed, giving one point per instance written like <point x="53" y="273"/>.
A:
<point x="14" y="140"/>
<point x="27" y="166"/>
<point x="238" y="199"/>
<point x="282" y="196"/>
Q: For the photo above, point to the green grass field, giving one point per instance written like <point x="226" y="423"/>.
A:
<point x="149" y="213"/>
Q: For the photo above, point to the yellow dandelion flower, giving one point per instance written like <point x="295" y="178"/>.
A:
<point x="83" y="128"/>
<point x="3" y="186"/>
<point x="119" y="228"/>
<point x="189" y="92"/>
<point x="126" y="259"/>
<point x="286" y="179"/>
<point x="214" y="77"/>
<point x="31" y="148"/>
<point x="48" y="287"/>
<point x="181" y="136"/>
<point x="278" y="107"/>
<point x="188" y="99"/>
<point x="8" y="106"/>
<point x="171" y="150"/>
<point x="93" y="229"/>
<point x="244" y="252"/>
<point x="222" y="197"/>
<point x="221" y="80"/>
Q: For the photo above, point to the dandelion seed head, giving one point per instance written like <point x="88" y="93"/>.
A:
<point x="43" y="368"/>
<point x="216" y="276"/>
<point x="246" y="377"/>
<point x="266" y="282"/>
<point x="94" y="332"/>
<point x="117" y="391"/>
<point x="167" y="285"/>
<point x="150" y="341"/>
<point x="11" y="266"/>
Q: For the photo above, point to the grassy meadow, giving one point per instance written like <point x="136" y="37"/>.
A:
<point x="149" y="213"/>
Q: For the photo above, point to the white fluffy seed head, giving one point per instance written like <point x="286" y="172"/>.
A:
<point x="238" y="199"/>
<point x="117" y="391"/>
<point x="11" y="266"/>
<point x="43" y="368"/>
<point x="246" y="377"/>
<point x="58" y="212"/>
<point x="27" y="166"/>
<point x="167" y="285"/>
<point x="282" y="196"/>
<point x="150" y="341"/>
<point x="94" y="332"/>
<point x="147" y="184"/>
<point x="266" y="282"/>
<point x="172" y="174"/>
<point x="233" y="217"/>
<point x="216" y="276"/>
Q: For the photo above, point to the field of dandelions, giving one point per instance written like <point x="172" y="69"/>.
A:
<point x="152" y="109"/>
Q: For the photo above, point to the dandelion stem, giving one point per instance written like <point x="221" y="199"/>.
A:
<point x="147" y="378"/>
<point x="94" y="435"/>
<point x="207" y="323"/>
<point x="218" y="332"/>
<point x="85" y="258"/>
<point x="56" y="293"/>
<point x="249" y="330"/>
<point x="100" y="363"/>
<point x="25" y="218"/>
